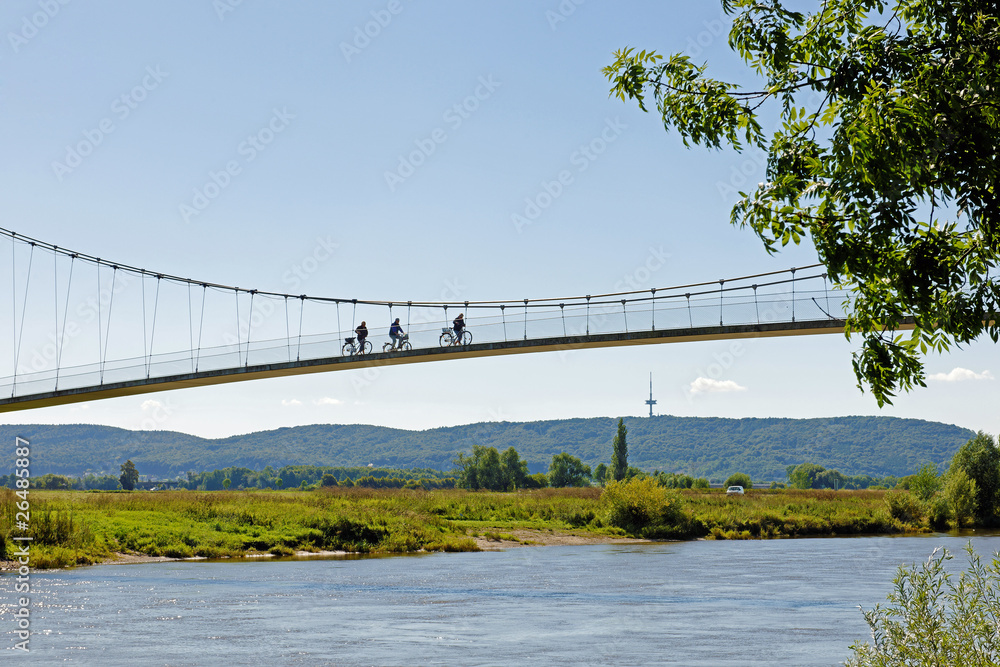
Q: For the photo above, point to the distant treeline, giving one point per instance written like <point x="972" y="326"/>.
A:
<point x="302" y="475"/>
<point x="804" y="476"/>
<point x="268" y="478"/>
<point x="50" y="481"/>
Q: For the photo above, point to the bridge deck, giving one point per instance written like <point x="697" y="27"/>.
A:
<point x="341" y="363"/>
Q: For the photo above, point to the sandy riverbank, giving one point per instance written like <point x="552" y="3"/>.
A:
<point x="522" y="538"/>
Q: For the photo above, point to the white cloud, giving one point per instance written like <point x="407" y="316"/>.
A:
<point x="150" y="404"/>
<point x="326" y="400"/>
<point x="709" y="386"/>
<point x="290" y="401"/>
<point x="959" y="374"/>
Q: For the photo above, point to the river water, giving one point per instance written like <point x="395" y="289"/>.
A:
<point x="779" y="602"/>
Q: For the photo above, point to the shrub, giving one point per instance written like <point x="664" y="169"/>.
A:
<point x="936" y="619"/>
<point x="926" y="482"/>
<point x="700" y="483"/>
<point x="643" y="507"/>
<point x="903" y="506"/>
<point x="537" y="481"/>
<point x="938" y="512"/>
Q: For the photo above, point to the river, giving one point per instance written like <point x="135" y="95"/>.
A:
<point x="787" y="602"/>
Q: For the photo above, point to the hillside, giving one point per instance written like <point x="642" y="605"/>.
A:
<point x="710" y="447"/>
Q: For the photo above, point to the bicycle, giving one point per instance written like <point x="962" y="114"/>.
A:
<point x="350" y="349"/>
<point x="448" y="337"/>
<point x="404" y="344"/>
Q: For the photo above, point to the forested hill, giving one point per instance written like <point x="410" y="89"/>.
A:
<point x="709" y="447"/>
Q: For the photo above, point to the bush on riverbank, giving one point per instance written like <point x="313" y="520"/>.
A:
<point x="934" y="618"/>
<point x="644" y="508"/>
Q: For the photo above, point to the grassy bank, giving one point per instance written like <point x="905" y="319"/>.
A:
<point x="73" y="527"/>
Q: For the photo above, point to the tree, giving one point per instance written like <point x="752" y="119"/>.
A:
<point x="926" y="482"/>
<point x="568" y="470"/>
<point x="619" y="455"/>
<point x="513" y="470"/>
<point x="482" y="470"/>
<point x="886" y="158"/>
<point x="328" y="480"/>
<point x="961" y="492"/>
<point x="803" y="476"/>
<point x="739" y="479"/>
<point x="130" y="476"/>
<point x="934" y="618"/>
<point x="600" y="473"/>
<point x="980" y="459"/>
<point x="226" y="483"/>
<point x="829" y="479"/>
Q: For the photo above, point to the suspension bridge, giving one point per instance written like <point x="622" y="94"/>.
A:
<point x="84" y="328"/>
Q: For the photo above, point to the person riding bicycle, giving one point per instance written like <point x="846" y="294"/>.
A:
<point x="396" y="334"/>
<point x="459" y="326"/>
<point x="362" y="333"/>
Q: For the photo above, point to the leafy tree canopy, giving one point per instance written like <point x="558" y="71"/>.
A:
<point x="739" y="479"/>
<point x="568" y="470"/>
<point x="980" y="460"/>
<point x="130" y="476"/>
<point x="887" y="156"/>
<point x="486" y="468"/>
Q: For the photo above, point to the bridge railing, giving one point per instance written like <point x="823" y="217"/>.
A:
<point x="779" y="297"/>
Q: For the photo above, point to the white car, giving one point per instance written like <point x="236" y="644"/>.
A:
<point x="734" y="491"/>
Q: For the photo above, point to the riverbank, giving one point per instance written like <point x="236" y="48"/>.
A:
<point x="83" y="528"/>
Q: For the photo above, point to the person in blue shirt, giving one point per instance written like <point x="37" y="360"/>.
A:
<point x="396" y="334"/>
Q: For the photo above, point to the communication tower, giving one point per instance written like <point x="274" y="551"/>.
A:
<point x="650" y="402"/>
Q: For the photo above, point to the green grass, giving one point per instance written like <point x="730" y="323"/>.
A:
<point x="78" y="528"/>
<point x="793" y="513"/>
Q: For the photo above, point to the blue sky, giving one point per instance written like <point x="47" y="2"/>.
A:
<point x="381" y="150"/>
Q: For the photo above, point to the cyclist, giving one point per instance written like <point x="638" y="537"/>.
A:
<point x="396" y="334"/>
<point x="459" y="326"/>
<point x="362" y="332"/>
